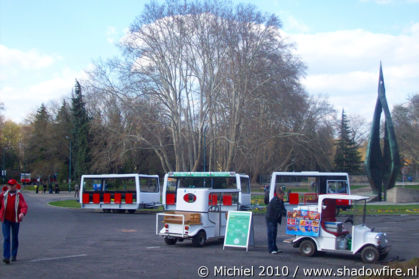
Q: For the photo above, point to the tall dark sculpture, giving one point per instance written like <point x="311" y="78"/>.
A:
<point x="382" y="163"/>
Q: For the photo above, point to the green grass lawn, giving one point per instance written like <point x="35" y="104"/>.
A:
<point x="76" y="204"/>
<point x="66" y="203"/>
<point x="416" y="187"/>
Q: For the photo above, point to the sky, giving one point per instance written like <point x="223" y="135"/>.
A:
<point x="46" y="45"/>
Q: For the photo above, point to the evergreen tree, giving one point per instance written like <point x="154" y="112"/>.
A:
<point x="38" y="153"/>
<point x="63" y="128"/>
<point x="347" y="157"/>
<point x="80" y="135"/>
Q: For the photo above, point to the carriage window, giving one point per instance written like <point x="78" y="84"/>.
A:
<point x="149" y="184"/>
<point x="337" y="187"/>
<point x="119" y="184"/>
<point x="90" y="184"/>
<point x="194" y="182"/>
<point x="245" y="184"/>
<point x="224" y="183"/>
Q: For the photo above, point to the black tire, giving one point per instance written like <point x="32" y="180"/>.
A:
<point x="307" y="248"/>
<point x="199" y="239"/>
<point x="131" y="211"/>
<point x="106" y="211"/>
<point x="170" y="241"/>
<point x="370" y="254"/>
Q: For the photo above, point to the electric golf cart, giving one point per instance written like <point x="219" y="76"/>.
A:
<point x="316" y="229"/>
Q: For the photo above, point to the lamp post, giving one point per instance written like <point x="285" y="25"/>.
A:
<point x="69" y="165"/>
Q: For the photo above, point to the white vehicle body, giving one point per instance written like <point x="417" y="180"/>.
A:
<point x="330" y="238"/>
<point x="119" y="191"/>
<point x="198" y="211"/>
<point x="323" y="183"/>
<point x="241" y="182"/>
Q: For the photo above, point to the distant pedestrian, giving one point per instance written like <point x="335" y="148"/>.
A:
<point x="57" y="189"/>
<point x="274" y="212"/>
<point x="12" y="210"/>
<point x="44" y="188"/>
<point x="36" y="189"/>
<point x="76" y="191"/>
<point x="50" y="188"/>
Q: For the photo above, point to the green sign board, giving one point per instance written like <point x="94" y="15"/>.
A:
<point x="238" y="229"/>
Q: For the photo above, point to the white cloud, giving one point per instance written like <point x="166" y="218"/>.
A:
<point x="19" y="101"/>
<point x="13" y="61"/>
<point x="344" y="65"/>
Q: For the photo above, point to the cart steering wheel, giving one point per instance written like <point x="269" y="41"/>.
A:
<point x="349" y="220"/>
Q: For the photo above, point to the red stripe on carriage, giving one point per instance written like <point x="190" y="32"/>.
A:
<point x="170" y="198"/>
<point x="86" y="198"/>
<point x="107" y="198"/>
<point x="118" y="197"/>
<point x="128" y="198"/>
<point x="96" y="198"/>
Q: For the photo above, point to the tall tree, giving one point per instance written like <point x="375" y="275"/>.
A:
<point x="406" y="125"/>
<point x="63" y="128"/>
<point x="38" y="151"/>
<point x="80" y="134"/>
<point x="347" y="156"/>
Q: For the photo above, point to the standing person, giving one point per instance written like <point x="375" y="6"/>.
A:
<point x="12" y="210"/>
<point x="76" y="191"/>
<point x="44" y="187"/>
<point x="274" y="212"/>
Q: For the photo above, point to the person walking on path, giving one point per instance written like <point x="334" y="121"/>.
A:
<point x="12" y="210"/>
<point x="76" y="191"/>
<point x="274" y="212"/>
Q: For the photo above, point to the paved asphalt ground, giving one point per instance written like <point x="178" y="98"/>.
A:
<point x="74" y="243"/>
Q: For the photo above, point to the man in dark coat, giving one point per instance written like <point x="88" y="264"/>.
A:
<point x="274" y="212"/>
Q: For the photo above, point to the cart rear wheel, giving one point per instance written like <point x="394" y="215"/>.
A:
<point x="370" y="254"/>
<point x="307" y="248"/>
<point x="170" y="241"/>
<point x="199" y="239"/>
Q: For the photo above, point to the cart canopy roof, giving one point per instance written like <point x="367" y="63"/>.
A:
<point x="341" y="197"/>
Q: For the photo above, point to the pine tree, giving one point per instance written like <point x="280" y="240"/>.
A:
<point x="347" y="157"/>
<point x="38" y="153"/>
<point x="80" y="135"/>
<point x="63" y="128"/>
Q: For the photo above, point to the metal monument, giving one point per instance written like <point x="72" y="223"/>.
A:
<point x="382" y="159"/>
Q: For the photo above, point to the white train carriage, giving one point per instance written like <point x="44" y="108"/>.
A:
<point x="119" y="192"/>
<point x="197" y="204"/>
<point x="206" y="180"/>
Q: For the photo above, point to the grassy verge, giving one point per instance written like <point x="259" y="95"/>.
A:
<point x="416" y="187"/>
<point x="389" y="210"/>
<point x="66" y="203"/>
<point x="76" y="204"/>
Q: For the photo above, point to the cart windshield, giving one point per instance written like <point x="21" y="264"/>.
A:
<point x="356" y="212"/>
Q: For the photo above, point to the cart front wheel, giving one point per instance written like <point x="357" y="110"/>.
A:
<point x="170" y="241"/>
<point x="199" y="239"/>
<point x="370" y="254"/>
<point x="307" y="248"/>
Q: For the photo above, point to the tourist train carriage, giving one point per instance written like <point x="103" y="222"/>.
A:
<point x="119" y="192"/>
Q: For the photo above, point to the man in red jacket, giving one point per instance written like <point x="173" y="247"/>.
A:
<point x="12" y="210"/>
